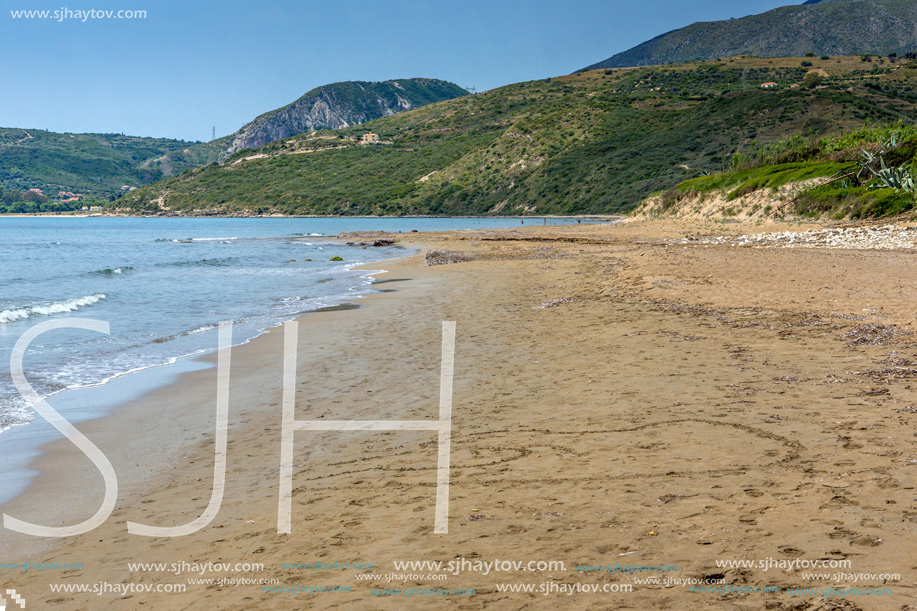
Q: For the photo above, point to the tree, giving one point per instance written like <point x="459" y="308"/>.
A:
<point x="23" y="208"/>
<point x="54" y="207"/>
<point x="11" y="196"/>
<point x="32" y="196"/>
<point x="813" y="80"/>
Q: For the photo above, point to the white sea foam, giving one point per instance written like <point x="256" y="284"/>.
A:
<point x="108" y="271"/>
<point x="195" y="331"/>
<point x="49" y="309"/>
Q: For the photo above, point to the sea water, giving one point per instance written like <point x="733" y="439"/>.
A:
<point x="164" y="285"/>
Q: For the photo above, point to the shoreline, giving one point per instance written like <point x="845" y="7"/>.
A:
<point x="51" y="459"/>
<point x="35" y="438"/>
<point x="619" y="397"/>
<point x="602" y="218"/>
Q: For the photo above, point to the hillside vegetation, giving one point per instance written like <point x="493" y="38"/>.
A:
<point x="867" y="173"/>
<point x="98" y="165"/>
<point x="340" y="105"/>
<point x="594" y="142"/>
<point x="92" y="164"/>
<point x="836" y="27"/>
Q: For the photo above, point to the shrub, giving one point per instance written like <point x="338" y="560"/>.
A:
<point x="812" y="80"/>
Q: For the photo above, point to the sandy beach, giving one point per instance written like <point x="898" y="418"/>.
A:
<point x="626" y="407"/>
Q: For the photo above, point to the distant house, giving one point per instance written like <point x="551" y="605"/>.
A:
<point x="794" y="86"/>
<point x="768" y="85"/>
<point x="36" y="191"/>
<point x="94" y="208"/>
<point x="370" y="138"/>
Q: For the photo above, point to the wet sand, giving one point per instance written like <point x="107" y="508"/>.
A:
<point x="674" y="405"/>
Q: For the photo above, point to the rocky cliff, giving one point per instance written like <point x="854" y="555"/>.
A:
<point x="341" y="105"/>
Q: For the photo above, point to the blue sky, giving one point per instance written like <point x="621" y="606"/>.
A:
<point x="192" y="64"/>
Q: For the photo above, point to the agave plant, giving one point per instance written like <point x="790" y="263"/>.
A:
<point x="900" y="178"/>
<point x="870" y="157"/>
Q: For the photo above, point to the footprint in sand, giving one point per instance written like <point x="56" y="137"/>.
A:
<point x="866" y="540"/>
<point x="841" y="533"/>
<point x="836" y="502"/>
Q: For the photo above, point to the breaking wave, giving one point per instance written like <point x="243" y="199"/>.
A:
<point x="49" y="309"/>
<point x="195" y="331"/>
<point x="111" y="271"/>
<point x="225" y="262"/>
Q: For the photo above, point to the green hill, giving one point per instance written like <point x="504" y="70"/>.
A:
<point x="595" y="142"/>
<point x="341" y="105"/>
<point x="832" y="27"/>
<point x="92" y="164"/>
<point x="865" y="173"/>
<point x="98" y="165"/>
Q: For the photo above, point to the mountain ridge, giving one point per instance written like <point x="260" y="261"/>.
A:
<point x="826" y="27"/>
<point x="592" y="142"/>
<point x="99" y="165"/>
<point x="338" y="105"/>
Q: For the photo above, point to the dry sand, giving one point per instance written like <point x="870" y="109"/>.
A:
<point x="674" y="405"/>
